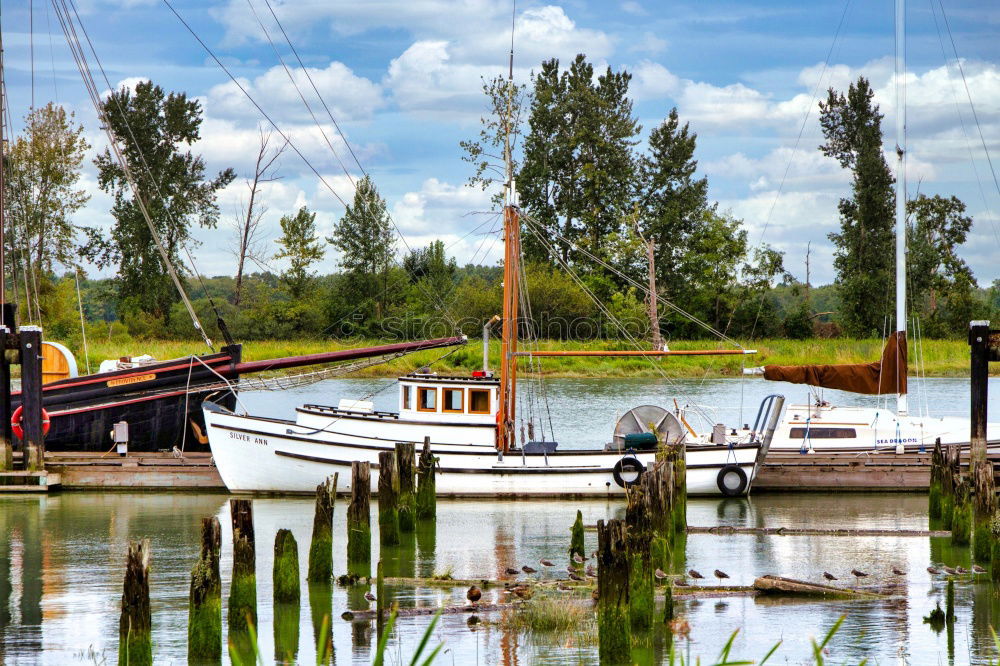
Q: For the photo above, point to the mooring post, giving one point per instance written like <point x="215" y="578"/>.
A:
<point x="388" y="498"/>
<point x="286" y="597"/>
<point x="576" y="544"/>
<point x="359" y="529"/>
<point x="135" y="643"/>
<point x="934" y="488"/>
<point x="638" y="515"/>
<point x="243" y="589"/>
<point x="947" y="487"/>
<point x="379" y="600"/>
<point x="980" y="468"/>
<point x="407" y="502"/>
<point x="680" y="490"/>
<point x="613" y="623"/>
<point x="321" y="546"/>
<point x="9" y="341"/>
<point x="426" y="484"/>
<point x="961" y="521"/>
<point x="205" y="603"/>
<point x="31" y="398"/>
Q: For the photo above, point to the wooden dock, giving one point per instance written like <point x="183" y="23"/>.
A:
<point x="866" y="471"/>
<point x="146" y="471"/>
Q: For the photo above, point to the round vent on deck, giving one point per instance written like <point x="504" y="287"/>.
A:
<point x="642" y="427"/>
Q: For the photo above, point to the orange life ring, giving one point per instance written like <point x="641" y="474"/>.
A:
<point x="15" y="422"/>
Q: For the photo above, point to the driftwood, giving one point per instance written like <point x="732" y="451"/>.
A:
<point x="790" y="586"/>
<point x="809" y="531"/>
<point x="370" y="614"/>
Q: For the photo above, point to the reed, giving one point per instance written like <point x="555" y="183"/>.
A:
<point x="550" y="615"/>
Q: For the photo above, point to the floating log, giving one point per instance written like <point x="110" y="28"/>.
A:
<point x="723" y="530"/>
<point x="407" y="501"/>
<point x="321" y="546"/>
<point x="369" y="615"/>
<point x="359" y="529"/>
<point x="613" y="622"/>
<point x="791" y="586"/>
<point x="135" y="643"/>
<point x="243" y="588"/>
<point x="426" y="484"/>
<point x="388" y="498"/>
<point x="205" y="605"/>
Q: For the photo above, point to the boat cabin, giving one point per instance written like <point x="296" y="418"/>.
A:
<point x="425" y="396"/>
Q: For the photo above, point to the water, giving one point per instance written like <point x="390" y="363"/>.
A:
<point x="62" y="556"/>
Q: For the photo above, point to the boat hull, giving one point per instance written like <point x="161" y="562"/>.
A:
<point x="260" y="455"/>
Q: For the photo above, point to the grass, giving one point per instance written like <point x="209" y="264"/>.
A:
<point x="941" y="358"/>
<point x="551" y="615"/>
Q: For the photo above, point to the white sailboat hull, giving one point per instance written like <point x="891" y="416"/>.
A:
<point x="261" y="455"/>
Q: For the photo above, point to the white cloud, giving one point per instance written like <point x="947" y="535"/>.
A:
<point x="651" y="80"/>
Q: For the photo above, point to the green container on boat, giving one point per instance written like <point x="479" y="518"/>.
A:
<point x="640" y="440"/>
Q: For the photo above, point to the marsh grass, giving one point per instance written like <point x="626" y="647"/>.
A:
<point x="550" y="615"/>
<point x="447" y="572"/>
<point x="941" y="358"/>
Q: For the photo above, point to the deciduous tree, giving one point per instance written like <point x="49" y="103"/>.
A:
<point x="302" y="247"/>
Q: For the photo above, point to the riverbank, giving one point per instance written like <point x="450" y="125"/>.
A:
<point x="938" y="358"/>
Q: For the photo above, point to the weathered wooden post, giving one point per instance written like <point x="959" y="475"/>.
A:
<point x="359" y="529"/>
<point x="948" y="487"/>
<point x="613" y="623"/>
<point x="638" y="515"/>
<point x="205" y="604"/>
<point x="135" y="643"/>
<point x="286" y="597"/>
<point x="380" y="600"/>
<point x="426" y="484"/>
<point x="407" y="501"/>
<point x="934" y="488"/>
<point x="961" y="522"/>
<point x="680" y="490"/>
<point x="31" y="398"/>
<point x="321" y="546"/>
<point x="980" y="468"/>
<point x="388" y="497"/>
<point x="576" y="544"/>
<point x="8" y="340"/>
<point x="243" y="588"/>
<point x="321" y="608"/>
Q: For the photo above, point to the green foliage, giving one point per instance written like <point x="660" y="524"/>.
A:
<point x="151" y="128"/>
<point x="301" y="246"/>
<point x="864" y="256"/>
<point x="505" y="106"/>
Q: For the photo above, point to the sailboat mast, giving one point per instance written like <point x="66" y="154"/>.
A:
<point x="900" y="188"/>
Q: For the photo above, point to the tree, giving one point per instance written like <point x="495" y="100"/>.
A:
<point x="852" y="127"/>
<point x="578" y="171"/>
<point x="364" y="236"/>
<point x="936" y="275"/>
<point x="302" y="247"/>
<point x="151" y="128"/>
<point x="42" y="172"/>
<point x="505" y="102"/>
<point x="249" y="244"/>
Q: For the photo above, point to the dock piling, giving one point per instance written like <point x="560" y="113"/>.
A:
<point x="31" y="398"/>
<point x="388" y="499"/>
<point x="243" y="589"/>
<point x="576" y="543"/>
<point x="205" y="604"/>
<point x="961" y="521"/>
<point x="426" y="484"/>
<point x="638" y="514"/>
<point x="135" y="644"/>
<point x="407" y="500"/>
<point x="321" y="545"/>
<point x="359" y="529"/>
<point x="286" y="597"/>
<point x="613" y="622"/>
<point x="934" y="488"/>
<point x="980" y="469"/>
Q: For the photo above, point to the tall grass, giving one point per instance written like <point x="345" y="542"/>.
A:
<point x="941" y="358"/>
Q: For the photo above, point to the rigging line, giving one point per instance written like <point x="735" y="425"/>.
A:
<point x="79" y="56"/>
<point x="431" y="297"/>
<point x="613" y="319"/>
<point x="52" y="52"/>
<point x="299" y="91"/>
<point x="539" y="231"/>
<point x="975" y="116"/>
<point x="313" y="84"/>
<point x="961" y="120"/>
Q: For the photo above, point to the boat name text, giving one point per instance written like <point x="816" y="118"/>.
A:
<point x="247" y="438"/>
<point x="131" y="380"/>
<point x="898" y="440"/>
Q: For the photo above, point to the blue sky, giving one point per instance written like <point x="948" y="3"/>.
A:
<point x="403" y="81"/>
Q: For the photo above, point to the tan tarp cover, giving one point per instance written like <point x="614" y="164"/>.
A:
<point x="872" y="378"/>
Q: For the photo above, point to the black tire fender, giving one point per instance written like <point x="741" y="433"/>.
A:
<point x="631" y="464"/>
<point x="729" y="490"/>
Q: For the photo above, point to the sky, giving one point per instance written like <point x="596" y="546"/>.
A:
<point x="403" y="82"/>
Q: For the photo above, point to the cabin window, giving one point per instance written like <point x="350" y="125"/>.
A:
<point x="453" y="399"/>
<point x="406" y="397"/>
<point x="427" y="399"/>
<point x="479" y="401"/>
<point x="823" y="433"/>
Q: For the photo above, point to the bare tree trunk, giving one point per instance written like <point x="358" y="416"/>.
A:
<point x="654" y="317"/>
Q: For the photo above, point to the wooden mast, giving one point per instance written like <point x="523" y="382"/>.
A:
<point x="508" y="330"/>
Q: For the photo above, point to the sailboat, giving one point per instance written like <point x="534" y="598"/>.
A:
<point x="469" y="423"/>
<point x="821" y="427"/>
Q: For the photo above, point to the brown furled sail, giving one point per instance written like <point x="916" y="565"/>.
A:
<point x="886" y="376"/>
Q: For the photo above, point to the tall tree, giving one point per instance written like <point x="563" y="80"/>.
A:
<point x="578" y="171"/>
<point x="302" y="247"/>
<point x="247" y="224"/>
<point x="366" y="242"/>
<point x="502" y="122"/>
<point x="152" y="129"/>
<point x="852" y="126"/>
<point x="42" y="193"/>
